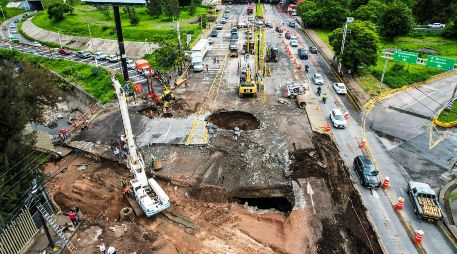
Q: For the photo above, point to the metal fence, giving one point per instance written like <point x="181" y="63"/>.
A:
<point x="15" y="236"/>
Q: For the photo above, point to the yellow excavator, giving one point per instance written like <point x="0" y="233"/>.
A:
<point x="247" y="85"/>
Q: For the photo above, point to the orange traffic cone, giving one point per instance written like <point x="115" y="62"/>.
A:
<point x="419" y="236"/>
<point x="298" y="66"/>
<point x="362" y="144"/>
<point x="386" y="183"/>
<point x="346" y="115"/>
<point x="327" y="128"/>
<point x="400" y="203"/>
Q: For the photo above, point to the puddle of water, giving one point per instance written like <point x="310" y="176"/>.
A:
<point x="60" y="124"/>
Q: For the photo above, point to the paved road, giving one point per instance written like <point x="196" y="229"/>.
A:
<point x="393" y="234"/>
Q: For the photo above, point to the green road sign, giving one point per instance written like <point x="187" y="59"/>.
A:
<point x="405" y="56"/>
<point x="440" y="62"/>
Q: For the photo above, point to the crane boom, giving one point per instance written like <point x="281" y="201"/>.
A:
<point x="148" y="193"/>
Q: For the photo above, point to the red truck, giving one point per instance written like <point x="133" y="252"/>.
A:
<point x="143" y="67"/>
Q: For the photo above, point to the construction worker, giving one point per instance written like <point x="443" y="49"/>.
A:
<point x="123" y="182"/>
<point x="207" y="70"/>
<point x="72" y="217"/>
<point x="102" y="248"/>
<point x="319" y="90"/>
<point x="117" y="153"/>
<point x="324" y="98"/>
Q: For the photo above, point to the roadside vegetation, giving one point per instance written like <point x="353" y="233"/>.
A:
<point x="10" y="12"/>
<point x="139" y="24"/>
<point x="447" y="116"/>
<point x="393" y="24"/>
<point x="95" y="81"/>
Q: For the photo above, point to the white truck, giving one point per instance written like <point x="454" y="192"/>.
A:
<point x="148" y="193"/>
<point x="436" y="26"/>
<point x="197" y="54"/>
<point x="426" y="205"/>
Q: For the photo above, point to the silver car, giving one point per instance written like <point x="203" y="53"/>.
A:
<point x="318" y="79"/>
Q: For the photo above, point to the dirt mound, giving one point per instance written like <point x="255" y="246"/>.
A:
<point x="231" y="119"/>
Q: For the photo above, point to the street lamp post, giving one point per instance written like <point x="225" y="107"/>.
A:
<point x="3" y="13"/>
<point x="92" y="42"/>
<point x="60" y="41"/>
<point x="343" y="41"/>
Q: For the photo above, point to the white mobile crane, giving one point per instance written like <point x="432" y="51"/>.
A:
<point x="148" y="193"/>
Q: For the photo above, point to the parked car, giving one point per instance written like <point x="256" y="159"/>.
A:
<point x="313" y="50"/>
<point x="340" y="88"/>
<point x="291" y="24"/>
<point x="436" y="26"/>
<point x="288" y="35"/>
<point x="83" y="54"/>
<point x="318" y="79"/>
<point x="112" y="58"/>
<point x="219" y="27"/>
<point x="279" y="29"/>
<point x="210" y="41"/>
<point x="366" y="171"/>
<point x="214" y="33"/>
<point x="302" y="53"/>
<point x="36" y="44"/>
<point x="226" y="16"/>
<point x="269" y="24"/>
<point x="234" y="36"/>
<point x="131" y="65"/>
<point x="337" y="119"/>
<point x="100" y="56"/>
<point x="64" y="52"/>
<point x="293" y="43"/>
<point x="223" y="21"/>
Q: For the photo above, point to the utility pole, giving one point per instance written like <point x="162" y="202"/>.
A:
<point x="39" y="194"/>
<point x="343" y="41"/>
<point x="3" y="13"/>
<point x="382" y="76"/>
<point x="60" y="41"/>
<point x="92" y="42"/>
<point x="179" y="33"/>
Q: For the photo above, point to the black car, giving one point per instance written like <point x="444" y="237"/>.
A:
<point x="214" y="33"/>
<point x="302" y="53"/>
<point x="367" y="172"/>
<point x="269" y="25"/>
<point x="234" y="36"/>
<point x="313" y="50"/>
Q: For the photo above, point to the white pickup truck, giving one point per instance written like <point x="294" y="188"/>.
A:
<point x="436" y="25"/>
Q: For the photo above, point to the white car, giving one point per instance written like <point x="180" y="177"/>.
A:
<point x="13" y="31"/>
<point x="337" y="118"/>
<point x="130" y="65"/>
<point x="259" y="23"/>
<point x="250" y="19"/>
<point x="100" y="56"/>
<point x="294" y="43"/>
<point x="223" y="21"/>
<point x="318" y="79"/>
<point x="340" y="88"/>
<point x="242" y="24"/>
<point x="436" y="26"/>
<point x="36" y="44"/>
<point x="210" y="40"/>
<point x="112" y="59"/>
<point x="293" y="37"/>
<point x="12" y="25"/>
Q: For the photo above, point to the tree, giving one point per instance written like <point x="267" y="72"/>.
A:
<point x="169" y="55"/>
<point x="192" y="8"/>
<point x="335" y="15"/>
<point x="430" y="11"/>
<point x="26" y="91"/>
<point x="131" y="13"/>
<point x="451" y="29"/>
<point x="366" y="13"/>
<point x="203" y="20"/>
<point x="171" y="8"/>
<point x="105" y="10"/>
<point x="154" y="7"/>
<point x="56" y="11"/>
<point x="361" y="46"/>
<point x="355" y="4"/>
<point x="397" y="20"/>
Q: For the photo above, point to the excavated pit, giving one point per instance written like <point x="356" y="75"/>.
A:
<point x="281" y="204"/>
<point x="229" y="120"/>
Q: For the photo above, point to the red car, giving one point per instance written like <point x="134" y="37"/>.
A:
<point x="64" y="51"/>
<point x="288" y="35"/>
<point x="279" y="29"/>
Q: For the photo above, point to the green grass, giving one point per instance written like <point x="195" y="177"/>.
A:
<point x="452" y="196"/>
<point x="323" y="34"/>
<point x="26" y="36"/>
<point x="259" y="10"/>
<point x="156" y="30"/>
<point x="11" y="12"/>
<point x="99" y="85"/>
<point x="400" y="74"/>
<point x="449" y="116"/>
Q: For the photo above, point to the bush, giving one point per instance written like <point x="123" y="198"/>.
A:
<point x="211" y="18"/>
<point x="397" y="67"/>
<point x="68" y="70"/>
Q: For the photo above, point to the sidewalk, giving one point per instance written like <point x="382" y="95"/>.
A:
<point x="327" y="53"/>
<point x="133" y="49"/>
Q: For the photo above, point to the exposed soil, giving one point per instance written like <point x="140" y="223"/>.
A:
<point x="229" y="120"/>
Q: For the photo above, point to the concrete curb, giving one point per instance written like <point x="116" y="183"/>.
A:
<point x="443" y="190"/>
<point x="133" y="49"/>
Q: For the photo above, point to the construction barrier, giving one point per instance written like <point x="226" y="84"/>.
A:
<point x="419" y="236"/>
<point x="386" y="183"/>
<point x="400" y="203"/>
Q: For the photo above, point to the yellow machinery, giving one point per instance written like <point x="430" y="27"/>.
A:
<point x="247" y="85"/>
